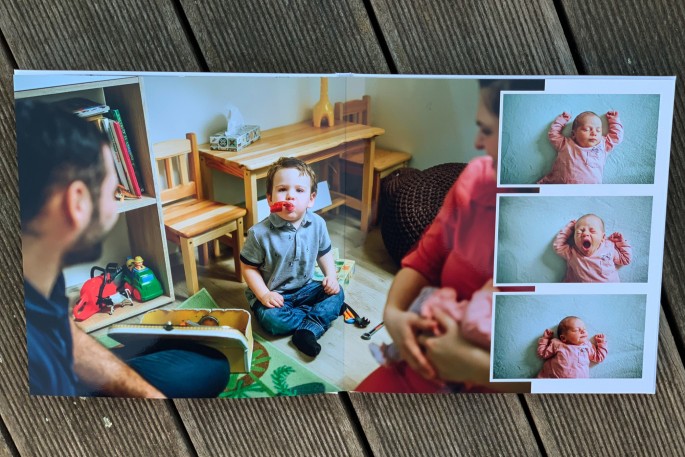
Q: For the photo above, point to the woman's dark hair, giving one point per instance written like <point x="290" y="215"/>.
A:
<point x="54" y="149"/>
<point x="491" y="88"/>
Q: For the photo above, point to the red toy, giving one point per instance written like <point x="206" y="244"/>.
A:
<point x="279" y="206"/>
<point x="99" y="293"/>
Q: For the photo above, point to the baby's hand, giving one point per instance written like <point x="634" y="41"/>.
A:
<point x="612" y="113"/>
<point x="330" y="285"/>
<point x="566" y="116"/>
<point x="548" y="334"/>
<point x="272" y="299"/>
<point x="599" y="338"/>
<point x="616" y="237"/>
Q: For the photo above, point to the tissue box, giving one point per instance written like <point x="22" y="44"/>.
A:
<point x="245" y="135"/>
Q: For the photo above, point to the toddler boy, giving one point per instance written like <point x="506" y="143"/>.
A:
<point x="279" y="257"/>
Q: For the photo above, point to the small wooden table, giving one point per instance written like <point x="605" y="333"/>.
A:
<point x="304" y="141"/>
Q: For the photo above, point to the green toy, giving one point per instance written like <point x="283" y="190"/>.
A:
<point x="140" y="281"/>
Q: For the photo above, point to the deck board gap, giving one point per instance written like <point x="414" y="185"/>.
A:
<point x="532" y="424"/>
<point x="192" y="40"/>
<point x="385" y="48"/>
<point x="356" y="423"/>
<point x="671" y="321"/>
<point x="4" y="45"/>
<point x="570" y="39"/>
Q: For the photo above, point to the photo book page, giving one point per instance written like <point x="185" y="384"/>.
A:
<point x="261" y="235"/>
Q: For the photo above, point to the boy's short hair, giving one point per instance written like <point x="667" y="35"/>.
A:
<point x="289" y="162"/>
<point x="562" y="328"/>
<point x="54" y="149"/>
<point x="581" y="116"/>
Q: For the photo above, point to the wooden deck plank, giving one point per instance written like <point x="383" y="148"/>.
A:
<point x="618" y="425"/>
<point x="635" y="40"/>
<point x="134" y="427"/>
<point x="63" y="426"/>
<point x="305" y="36"/>
<point x="103" y="35"/>
<point x="474" y="37"/>
<point x="631" y="40"/>
<point x="461" y="38"/>
<point x="285" y="426"/>
<point x="456" y="425"/>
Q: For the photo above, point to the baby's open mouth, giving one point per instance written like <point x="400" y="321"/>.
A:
<point x="587" y="244"/>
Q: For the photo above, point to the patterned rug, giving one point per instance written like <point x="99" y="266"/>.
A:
<point x="273" y="372"/>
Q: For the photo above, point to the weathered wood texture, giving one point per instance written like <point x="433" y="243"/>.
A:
<point x="136" y="35"/>
<point x="469" y="38"/>
<point x="619" y="425"/>
<point x="638" y="38"/>
<point x="314" y="425"/>
<point x="634" y="38"/>
<point x="304" y="36"/>
<point x="456" y="425"/>
<point x="474" y="37"/>
<point x="133" y="36"/>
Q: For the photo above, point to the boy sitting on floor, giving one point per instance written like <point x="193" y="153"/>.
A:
<point x="278" y="259"/>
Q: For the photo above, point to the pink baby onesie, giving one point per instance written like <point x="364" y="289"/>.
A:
<point x="598" y="267"/>
<point x="568" y="360"/>
<point x="576" y="165"/>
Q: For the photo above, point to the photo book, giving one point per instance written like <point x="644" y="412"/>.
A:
<point x="259" y="235"/>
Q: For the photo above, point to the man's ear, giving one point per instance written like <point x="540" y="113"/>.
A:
<point x="78" y="204"/>
<point x="312" y="197"/>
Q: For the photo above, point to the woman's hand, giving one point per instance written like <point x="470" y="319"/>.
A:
<point x="454" y="358"/>
<point x="403" y="327"/>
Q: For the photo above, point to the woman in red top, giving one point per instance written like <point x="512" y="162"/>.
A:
<point x="457" y="250"/>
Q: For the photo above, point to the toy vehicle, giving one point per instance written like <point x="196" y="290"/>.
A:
<point x="140" y="281"/>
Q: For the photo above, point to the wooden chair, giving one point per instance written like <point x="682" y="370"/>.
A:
<point x="385" y="161"/>
<point x="190" y="220"/>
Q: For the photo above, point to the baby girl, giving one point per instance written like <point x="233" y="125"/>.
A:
<point x="581" y="158"/>
<point x="591" y="256"/>
<point x="474" y="317"/>
<point x="570" y="355"/>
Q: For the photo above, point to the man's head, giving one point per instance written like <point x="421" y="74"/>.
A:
<point x="291" y="180"/>
<point x="586" y="130"/>
<point x="588" y="234"/>
<point x="65" y="175"/>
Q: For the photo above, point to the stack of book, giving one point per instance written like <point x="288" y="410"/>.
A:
<point x="110" y="121"/>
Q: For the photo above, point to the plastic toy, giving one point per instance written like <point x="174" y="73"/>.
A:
<point x="140" y="281"/>
<point x="279" y="206"/>
<point x="100" y="293"/>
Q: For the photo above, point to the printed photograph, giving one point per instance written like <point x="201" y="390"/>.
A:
<point x="573" y="239"/>
<point x="579" y="139"/>
<point x="568" y="336"/>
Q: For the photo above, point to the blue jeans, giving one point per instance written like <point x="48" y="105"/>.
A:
<point x="179" y="369"/>
<point x="307" y="308"/>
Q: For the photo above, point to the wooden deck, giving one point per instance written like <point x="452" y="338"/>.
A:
<point x="364" y="36"/>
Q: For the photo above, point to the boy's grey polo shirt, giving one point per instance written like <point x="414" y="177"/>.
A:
<point x="285" y="256"/>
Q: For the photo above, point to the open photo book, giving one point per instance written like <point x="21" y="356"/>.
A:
<point x="234" y="235"/>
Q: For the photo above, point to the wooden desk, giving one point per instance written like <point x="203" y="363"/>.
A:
<point x="303" y="141"/>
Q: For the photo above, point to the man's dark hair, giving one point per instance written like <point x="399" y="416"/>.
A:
<point x="54" y="149"/>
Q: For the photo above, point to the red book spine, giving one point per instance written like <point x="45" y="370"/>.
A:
<point x="127" y="159"/>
